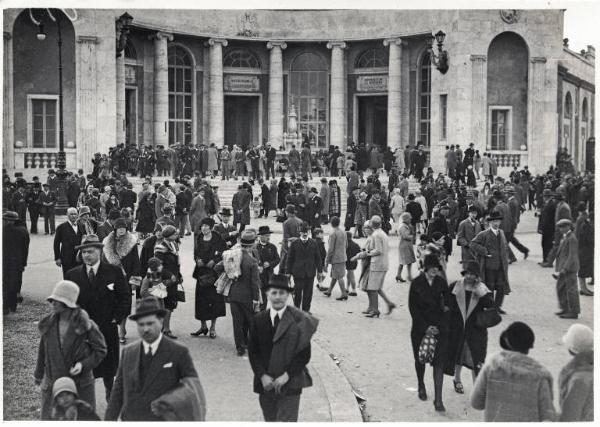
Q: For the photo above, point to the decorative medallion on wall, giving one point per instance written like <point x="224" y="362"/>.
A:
<point x="510" y="16"/>
<point x="248" y="25"/>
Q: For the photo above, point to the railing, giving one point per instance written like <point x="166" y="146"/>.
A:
<point x="40" y="160"/>
<point x="509" y="158"/>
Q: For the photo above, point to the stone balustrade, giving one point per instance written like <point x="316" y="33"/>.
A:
<point x="39" y="158"/>
<point x="509" y="158"/>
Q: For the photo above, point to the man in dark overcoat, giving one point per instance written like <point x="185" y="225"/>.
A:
<point x="48" y="201"/>
<point x="314" y="208"/>
<point x="279" y="350"/>
<point x="303" y="263"/>
<point x="15" y="247"/>
<point x="546" y="223"/>
<point x="241" y="207"/>
<point x="514" y="209"/>
<point x="244" y="293"/>
<point x="68" y="236"/>
<point x="268" y="259"/>
<point x="105" y="296"/>
<point x="107" y="226"/>
<point x="567" y="266"/>
<point x="491" y="248"/>
<point x="156" y="379"/>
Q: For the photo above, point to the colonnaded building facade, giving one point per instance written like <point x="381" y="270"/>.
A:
<point x="513" y="87"/>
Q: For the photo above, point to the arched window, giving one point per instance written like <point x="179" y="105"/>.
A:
<point x="308" y="94"/>
<point x="584" y="111"/>
<point x="180" y="95"/>
<point x="130" y="51"/>
<point x="241" y="58"/>
<point x="568" y="106"/>
<point x="424" y="112"/>
<point x="372" y="58"/>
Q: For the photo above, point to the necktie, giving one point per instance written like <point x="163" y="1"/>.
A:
<point x="276" y="322"/>
<point x="91" y="275"/>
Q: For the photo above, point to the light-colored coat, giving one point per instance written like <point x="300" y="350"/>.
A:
<point x="576" y="389"/>
<point x="514" y="387"/>
<point x="379" y="243"/>
<point x="324" y="194"/>
<point x="567" y="258"/>
<point x="197" y="212"/>
<point x="486" y="166"/>
<point x="336" y="252"/>
<point x="467" y="232"/>
<point x="483" y="245"/>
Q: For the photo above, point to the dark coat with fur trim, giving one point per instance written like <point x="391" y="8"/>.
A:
<point x="82" y="343"/>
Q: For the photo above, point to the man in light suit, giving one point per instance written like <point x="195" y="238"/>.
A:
<point x="467" y="230"/>
<point x="279" y="350"/>
<point x="244" y="293"/>
<point x="152" y="371"/>
<point x="336" y="256"/>
<point x="491" y="248"/>
<point x="567" y="266"/>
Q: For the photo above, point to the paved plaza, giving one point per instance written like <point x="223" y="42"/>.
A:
<point x="373" y="357"/>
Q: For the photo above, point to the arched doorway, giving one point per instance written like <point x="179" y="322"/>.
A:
<point x="507" y="85"/>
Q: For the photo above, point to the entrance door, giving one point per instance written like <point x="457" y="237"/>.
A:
<point x="131" y="116"/>
<point x="590" y="149"/>
<point x="372" y="120"/>
<point x="241" y="121"/>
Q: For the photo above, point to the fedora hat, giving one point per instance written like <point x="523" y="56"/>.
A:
<point x="226" y="212"/>
<point x="471" y="267"/>
<point x="90" y="241"/>
<point x="431" y="261"/>
<point x="114" y="214"/>
<point x="279" y="281"/>
<point x="248" y="238"/>
<point x="146" y="307"/>
<point x="66" y="292"/>
<point x="264" y="229"/>
<point x="494" y="216"/>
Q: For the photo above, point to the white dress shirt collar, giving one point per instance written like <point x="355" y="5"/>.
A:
<point x="152" y="346"/>
<point x="495" y="231"/>
<point x="93" y="267"/>
<point x="273" y="313"/>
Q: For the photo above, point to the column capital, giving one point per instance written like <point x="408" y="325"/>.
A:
<point x="276" y="43"/>
<point x="540" y="59"/>
<point x="396" y="40"/>
<point x="212" y="42"/>
<point x="478" y="58"/>
<point x="88" y="40"/>
<point x="338" y="44"/>
<point x="7" y="35"/>
<point x="161" y="35"/>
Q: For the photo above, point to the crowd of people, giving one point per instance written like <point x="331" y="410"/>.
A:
<point x="117" y="243"/>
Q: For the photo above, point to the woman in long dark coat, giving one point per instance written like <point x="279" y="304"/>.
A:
<point x="145" y="215"/>
<point x="467" y="342"/>
<point x="428" y="300"/>
<point x="71" y="345"/>
<point x="167" y="250"/>
<point x="207" y="253"/>
<point x="283" y="189"/>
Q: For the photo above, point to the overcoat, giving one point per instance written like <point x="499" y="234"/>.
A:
<point x="464" y="329"/>
<point x="82" y="343"/>
<point x="483" y="245"/>
<point x="197" y="212"/>
<point x="467" y="231"/>
<point x="65" y="241"/>
<point x="241" y="207"/>
<point x="107" y="301"/>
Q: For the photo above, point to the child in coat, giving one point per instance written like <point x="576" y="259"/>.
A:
<point x="66" y="405"/>
<point x="351" y="250"/>
<point x="160" y="283"/>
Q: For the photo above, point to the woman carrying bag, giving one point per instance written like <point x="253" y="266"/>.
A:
<point x="470" y="301"/>
<point x="428" y="300"/>
<point x="208" y="252"/>
<point x="71" y="345"/>
<point x="167" y="250"/>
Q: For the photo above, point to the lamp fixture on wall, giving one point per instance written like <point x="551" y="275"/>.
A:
<point x="123" y="24"/>
<point x="441" y="60"/>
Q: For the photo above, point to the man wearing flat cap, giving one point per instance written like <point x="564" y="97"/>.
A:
<point x="279" y="350"/>
<point x="105" y="296"/>
<point x="566" y="267"/>
<point x="156" y="379"/>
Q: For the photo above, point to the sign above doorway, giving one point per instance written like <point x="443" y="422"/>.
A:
<point x="375" y="83"/>
<point x="241" y="83"/>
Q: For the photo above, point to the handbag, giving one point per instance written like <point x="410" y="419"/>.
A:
<point x="488" y="318"/>
<point x="180" y="293"/>
<point x="427" y="348"/>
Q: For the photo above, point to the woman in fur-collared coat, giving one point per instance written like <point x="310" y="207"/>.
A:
<point x="121" y="249"/>
<point x="71" y="345"/>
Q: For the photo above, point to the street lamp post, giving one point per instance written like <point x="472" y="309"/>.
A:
<point x="61" y="162"/>
<point x="441" y="60"/>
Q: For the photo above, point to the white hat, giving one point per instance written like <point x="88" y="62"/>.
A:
<point x="579" y="338"/>
<point x="63" y="384"/>
<point x="66" y="292"/>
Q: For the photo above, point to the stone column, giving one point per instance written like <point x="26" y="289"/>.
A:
<point x="337" y="108"/>
<point x="161" y="88"/>
<point x="121" y="98"/>
<point x="87" y="103"/>
<point x="394" y="130"/>
<point x="276" y="93"/>
<point x="216" y="107"/>
<point x="542" y="122"/>
<point x="205" y="93"/>
<point x="8" y="134"/>
<point x="479" y="102"/>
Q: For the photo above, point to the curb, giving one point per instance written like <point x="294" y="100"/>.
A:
<point x="342" y="403"/>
